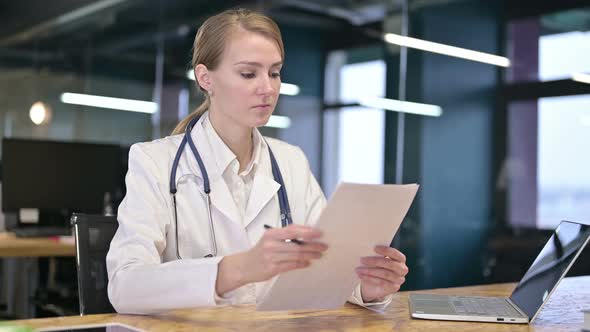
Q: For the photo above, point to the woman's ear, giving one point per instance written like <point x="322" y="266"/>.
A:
<point x="203" y="77"/>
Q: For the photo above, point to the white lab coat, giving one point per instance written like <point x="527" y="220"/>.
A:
<point x="145" y="275"/>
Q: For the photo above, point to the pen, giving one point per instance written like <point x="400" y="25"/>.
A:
<point x="299" y="242"/>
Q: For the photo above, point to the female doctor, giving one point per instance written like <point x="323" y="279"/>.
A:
<point x="192" y="225"/>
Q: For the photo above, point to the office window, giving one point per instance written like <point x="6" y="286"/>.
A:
<point x="548" y="136"/>
<point x="548" y="161"/>
<point x="549" y="47"/>
<point x="354" y="136"/>
<point x="562" y="54"/>
<point x="361" y="129"/>
<point x="564" y="160"/>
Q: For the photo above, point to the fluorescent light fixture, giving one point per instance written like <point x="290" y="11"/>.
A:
<point x="446" y="50"/>
<point x="581" y="77"/>
<point x="278" y="121"/>
<point x="401" y="106"/>
<point x="289" y="89"/>
<point x="109" y="102"/>
<point x="286" y="88"/>
<point x="190" y="74"/>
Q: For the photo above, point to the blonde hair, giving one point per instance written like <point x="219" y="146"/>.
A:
<point x="211" y="39"/>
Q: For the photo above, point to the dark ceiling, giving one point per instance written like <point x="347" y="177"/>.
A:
<point x="115" y="35"/>
<point x="70" y="34"/>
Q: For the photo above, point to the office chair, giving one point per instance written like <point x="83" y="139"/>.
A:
<point x="93" y="238"/>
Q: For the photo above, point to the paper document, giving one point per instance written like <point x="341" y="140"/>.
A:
<point x="357" y="217"/>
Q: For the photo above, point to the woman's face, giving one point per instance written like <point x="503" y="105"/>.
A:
<point x="245" y="86"/>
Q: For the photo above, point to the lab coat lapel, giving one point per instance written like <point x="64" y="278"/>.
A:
<point x="221" y="198"/>
<point x="264" y="187"/>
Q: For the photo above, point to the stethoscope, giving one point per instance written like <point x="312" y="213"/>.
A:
<point x="278" y="177"/>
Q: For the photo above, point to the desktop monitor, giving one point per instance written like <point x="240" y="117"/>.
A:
<point x="61" y="177"/>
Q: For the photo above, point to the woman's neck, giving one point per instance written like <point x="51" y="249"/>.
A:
<point x="236" y="137"/>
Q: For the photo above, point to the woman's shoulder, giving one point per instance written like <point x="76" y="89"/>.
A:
<point x="160" y="144"/>
<point x="281" y="146"/>
<point x="158" y="150"/>
<point x="285" y="151"/>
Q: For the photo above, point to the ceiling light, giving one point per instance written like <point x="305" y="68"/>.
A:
<point x="190" y="74"/>
<point x="401" y="106"/>
<point x="446" y="50"/>
<point x="289" y="89"/>
<point x="109" y="102"/>
<point x="278" y="121"/>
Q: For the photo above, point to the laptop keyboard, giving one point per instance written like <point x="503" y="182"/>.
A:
<point x="483" y="306"/>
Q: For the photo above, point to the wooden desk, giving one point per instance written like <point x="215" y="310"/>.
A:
<point x="11" y="246"/>
<point x="561" y="314"/>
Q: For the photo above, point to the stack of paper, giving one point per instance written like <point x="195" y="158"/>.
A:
<point x="357" y="217"/>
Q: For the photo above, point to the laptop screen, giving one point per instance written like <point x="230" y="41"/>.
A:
<point x="550" y="266"/>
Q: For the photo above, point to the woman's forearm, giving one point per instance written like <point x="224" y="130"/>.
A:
<point x="230" y="274"/>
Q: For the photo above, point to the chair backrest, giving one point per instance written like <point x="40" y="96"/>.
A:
<point x="93" y="238"/>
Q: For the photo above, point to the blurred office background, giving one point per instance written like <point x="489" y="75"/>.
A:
<point x="498" y="142"/>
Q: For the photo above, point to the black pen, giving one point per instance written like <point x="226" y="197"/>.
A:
<point x="299" y="242"/>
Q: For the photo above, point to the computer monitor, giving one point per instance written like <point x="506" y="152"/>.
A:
<point x="60" y="177"/>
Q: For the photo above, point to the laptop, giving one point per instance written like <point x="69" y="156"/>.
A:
<point x="529" y="296"/>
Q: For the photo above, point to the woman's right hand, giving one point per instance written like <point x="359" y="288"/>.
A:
<point x="270" y="256"/>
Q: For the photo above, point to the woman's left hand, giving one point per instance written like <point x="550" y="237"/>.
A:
<point x="383" y="274"/>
